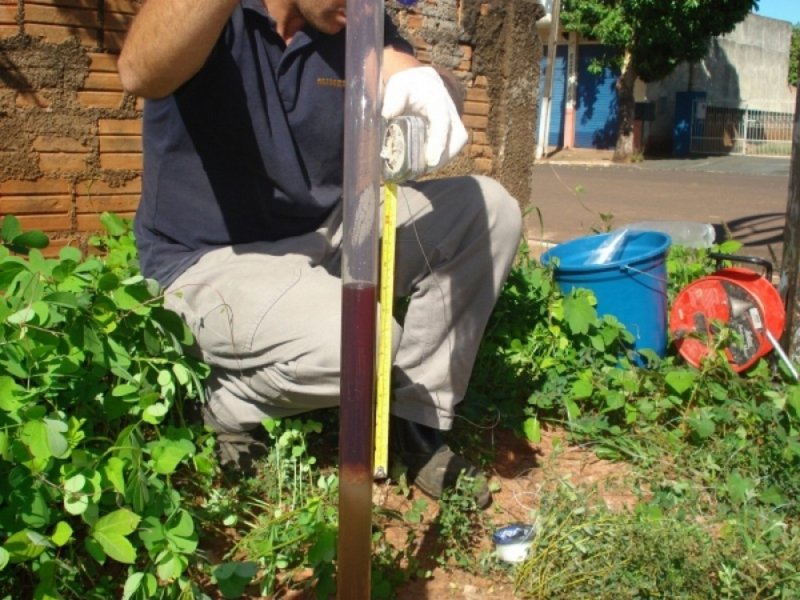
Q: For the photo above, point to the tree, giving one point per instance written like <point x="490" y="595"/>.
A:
<point x="794" y="55"/>
<point x="648" y="39"/>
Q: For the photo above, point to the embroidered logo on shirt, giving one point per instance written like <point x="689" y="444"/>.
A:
<point x="330" y="82"/>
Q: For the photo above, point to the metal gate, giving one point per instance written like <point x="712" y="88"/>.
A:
<point x="741" y="130"/>
<point x="596" y="110"/>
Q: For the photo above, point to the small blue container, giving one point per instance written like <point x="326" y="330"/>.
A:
<point x="632" y="285"/>
<point x="513" y="542"/>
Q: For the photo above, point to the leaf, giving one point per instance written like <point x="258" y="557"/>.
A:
<point x="146" y="581"/>
<point x="155" y="413"/>
<point x="31" y="239"/>
<point x="114" y="472"/>
<point x="62" y="534"/>
<point x="24" y="545"/>
<point x="24" y="315"/>
<point x="55" y="437"/>
<point x="95" y="550"/>
<point x="110" y="532"/>
<point x="582" y="389"/>
<point x="533" y="429"/>
<point x="168" y="454"/>
<point x="10" y="228"/>
<point x="10" y="391"/>
<point x="703" y="426"/>
<point x="34" y="435"/>
<point x="182" y="535"/>
<point x="76" y="501"/>
<point x="113" y="224"/>
<point x="739" y="488"/>
<point x="579" y="313"/>
<point x="680" y="381"/>
<point x="4" y="558"/>
<point x="233" y="577"/>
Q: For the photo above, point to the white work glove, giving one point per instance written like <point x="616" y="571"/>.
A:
<point x="420" y="91"/>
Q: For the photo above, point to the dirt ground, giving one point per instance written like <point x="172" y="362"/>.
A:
<point x="522" y="470"/>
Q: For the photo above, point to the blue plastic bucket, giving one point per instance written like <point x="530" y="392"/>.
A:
<point x="632" y="286"/>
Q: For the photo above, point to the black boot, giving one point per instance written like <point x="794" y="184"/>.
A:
<point x="237" y="451"/>
<point x="432" y="465"/>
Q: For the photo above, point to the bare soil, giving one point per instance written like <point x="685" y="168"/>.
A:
<point x="522" y="470"/>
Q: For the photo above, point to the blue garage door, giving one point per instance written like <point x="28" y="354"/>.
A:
<point x="596" y="110"/>
<point x="559" y="98"/>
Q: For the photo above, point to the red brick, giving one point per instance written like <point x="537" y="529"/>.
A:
<point x="40" y="186"/>
<point x="476" y="108"/>
<point x="130" y="7"/>
<point x="96" y="187"/>
<point x="52" y="143"/>
<point x="97" y="81"/>
<point x="103" y="62"/>
<point x="8" y="14"/>
<point x="91" y="222"/>
<point x="120" y="126"/>
<point x="115" y="204"/>
<point x="57" y="244"/>
<point x="49" y="222"/>
<point x="21" y="205"/>
<point x="113" y="40"/>
<point x="58" y="33"/>
<point x="118" y="21"/>
<point x="60" y="162"/>
<point x="476" y="122"/>
<point x="78" y="16"/>
<point x="480" y="137"/>
<point x="128" y="143"/>
<point x="477" y="94"/>
<point x="483" y="165"/>
<point x="126" y="162"/>
<point x="91" y="99"/>
<point x="45" y="4"/>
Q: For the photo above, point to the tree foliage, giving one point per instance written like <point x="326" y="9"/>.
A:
<point x="794" y="55"/>
<point x="648" y="39"/>
<point x="657" y="34"/>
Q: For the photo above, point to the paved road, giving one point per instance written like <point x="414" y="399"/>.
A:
<point x="743" y="197"/>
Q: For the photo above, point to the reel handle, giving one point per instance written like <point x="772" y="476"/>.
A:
<point x="753" y="260"/>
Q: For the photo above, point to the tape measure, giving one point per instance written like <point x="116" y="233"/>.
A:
<point x="403" y="158"/>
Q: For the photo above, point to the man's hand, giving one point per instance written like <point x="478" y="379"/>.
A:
<point x="421" y="91"/>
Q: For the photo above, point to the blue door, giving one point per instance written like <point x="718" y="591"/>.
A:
<point x="596" y="107"/>
<point x="558" y="101"/>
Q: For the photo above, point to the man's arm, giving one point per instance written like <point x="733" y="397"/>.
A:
<point x="168" y="42"/>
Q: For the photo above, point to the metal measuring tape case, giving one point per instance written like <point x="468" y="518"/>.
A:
<point x="403" y="150"/>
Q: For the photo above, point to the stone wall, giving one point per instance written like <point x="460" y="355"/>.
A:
<point x="70" y="138"/>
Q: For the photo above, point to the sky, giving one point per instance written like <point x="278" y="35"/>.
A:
<point x="786" y="10"/>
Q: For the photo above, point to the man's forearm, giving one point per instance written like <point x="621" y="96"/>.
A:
<point x="168" y="42"/>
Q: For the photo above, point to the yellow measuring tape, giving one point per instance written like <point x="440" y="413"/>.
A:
<point x="385" y="323"/>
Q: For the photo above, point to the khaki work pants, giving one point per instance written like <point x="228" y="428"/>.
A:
<point x="267" y="315"/>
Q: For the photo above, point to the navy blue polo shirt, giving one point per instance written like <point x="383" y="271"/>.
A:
<point x="249" y="149"/>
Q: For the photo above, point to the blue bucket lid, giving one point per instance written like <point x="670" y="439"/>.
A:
<point x="639" y="246"/>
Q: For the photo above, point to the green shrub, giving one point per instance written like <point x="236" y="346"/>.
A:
<point x="93" y="452"/>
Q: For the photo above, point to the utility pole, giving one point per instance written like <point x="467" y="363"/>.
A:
<point x="544" y="115"/>
<point x="789" y="281"/>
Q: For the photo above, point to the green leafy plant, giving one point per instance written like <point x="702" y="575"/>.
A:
<point x="93" y="373"/>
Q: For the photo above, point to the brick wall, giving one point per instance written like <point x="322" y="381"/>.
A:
<point x="70" y="137"/>
<point x="70" y="143"/>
